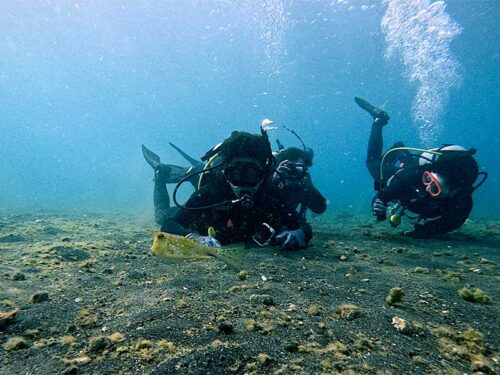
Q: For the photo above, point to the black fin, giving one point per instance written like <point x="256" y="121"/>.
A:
<point x="190" y="160"/>
<point x="151" y="158"/>
<point x="375" y="112"/>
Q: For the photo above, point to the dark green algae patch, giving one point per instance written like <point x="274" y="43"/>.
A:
<point x="81" y="294"/>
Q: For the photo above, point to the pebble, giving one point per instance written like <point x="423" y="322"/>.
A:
<point x="264" y="358"/>
<point x="39" y="297"/>
<point x="31" y="333"/>
<point x="264" y="299"/>
<point x="98" y="343"/>
<point x="143" y="344"/>
<point x="7" y="317"/>
<point x="401" y="325"/>
<point x="181" y="303"/>
<point x="314" y="310"/>
<point x="292" y="346"/>
<point x="486" y="261"/>
<point x="86" y="318"/>
<point x="226" y="328"/>
<point x="169" y="345"/>
<point x="348" y="311"/>
<point x="116" y="337"/>
<point x="67" y="340"/>
<point x="234" y="289"/>
<point x="79" y="361"/>
<point x="420" y="270"/>
<point x="242" y="275"/>
<point x="15" y="343"/>
<point x="395" y="296"/>
<point x="19" y="276"/>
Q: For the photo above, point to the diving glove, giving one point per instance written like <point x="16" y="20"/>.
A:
<point x="379" y="209"/>
<point x="290" y="239"/>
<point x="204" y="240"/>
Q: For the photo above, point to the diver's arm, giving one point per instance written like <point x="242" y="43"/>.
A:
<point x="311" y="197"/>
<point x="453" y="216"/>
<point x="401" y="184"/>
<point x="292" y="221"/>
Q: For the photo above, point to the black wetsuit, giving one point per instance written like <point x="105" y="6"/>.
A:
<point x="402" y="181"/>
<point x="303" y="192"/>
<point x="233" y="223"/>
<point x="444" y="214"/>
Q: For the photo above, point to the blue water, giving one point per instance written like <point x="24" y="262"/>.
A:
<point x="84" y="83"/>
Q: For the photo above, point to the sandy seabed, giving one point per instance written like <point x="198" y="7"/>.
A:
<point x="82" y="294"/>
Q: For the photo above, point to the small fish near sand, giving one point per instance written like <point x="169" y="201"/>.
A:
<point x="171" y="246"/>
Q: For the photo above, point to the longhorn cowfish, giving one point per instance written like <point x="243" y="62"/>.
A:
<point x="171" y="246"/>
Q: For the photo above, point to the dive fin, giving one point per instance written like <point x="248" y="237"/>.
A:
<point x="190" y="160"/>
<point x="151" y="158"/>
<point x="375" y="112"/>
<point x="232" y="255"/>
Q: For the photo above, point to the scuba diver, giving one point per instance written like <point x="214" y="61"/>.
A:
<point x="235" y="200"/>
<point x="435" y="184"/>
<point x="291" y="177"/>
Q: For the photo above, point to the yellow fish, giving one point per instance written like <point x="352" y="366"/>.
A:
<point x="171" y="246"/>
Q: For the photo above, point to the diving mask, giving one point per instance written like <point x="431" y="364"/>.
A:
<point x="244" y="173"/>
<point x="433" y="183"/>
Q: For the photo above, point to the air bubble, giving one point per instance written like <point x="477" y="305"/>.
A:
<point x="419" y="34"/>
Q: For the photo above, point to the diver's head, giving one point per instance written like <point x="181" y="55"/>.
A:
<point x="296" y="155"/>
<point x="248" y="161"/>
<point x="245" y="176"/>
<point x="454" y="169"/>
<point x="435" y="184"/>
<point x="457" y="166"/>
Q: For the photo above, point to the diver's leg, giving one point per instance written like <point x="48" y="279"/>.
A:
<point x="178" y="173"/>
<point x="161" y="198"/>
<point x="374" y="153"/>
<point x="172" y="174"/>
<point x="376" y="141"/>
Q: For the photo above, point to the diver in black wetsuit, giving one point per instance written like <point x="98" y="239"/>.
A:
<point x="237" y="198"/>
<point x="293" y="179"/>
<point x="436" y="184"/>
